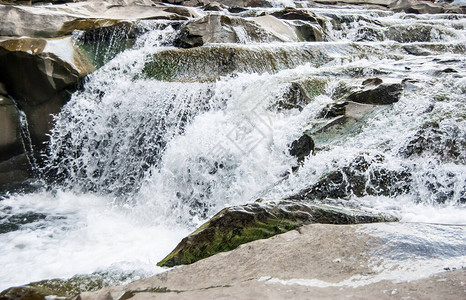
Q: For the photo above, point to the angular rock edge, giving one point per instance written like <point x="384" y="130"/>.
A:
<point x="238" y="225"/>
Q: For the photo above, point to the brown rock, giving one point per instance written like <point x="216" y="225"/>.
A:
<point x="10" y="132"/>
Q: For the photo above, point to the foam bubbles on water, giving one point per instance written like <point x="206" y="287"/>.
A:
<point x="81" y="234"/>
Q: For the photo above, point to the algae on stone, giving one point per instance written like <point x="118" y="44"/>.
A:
<point x="238" y="225"/>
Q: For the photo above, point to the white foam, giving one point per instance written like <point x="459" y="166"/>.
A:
<point x="81" y="234"/>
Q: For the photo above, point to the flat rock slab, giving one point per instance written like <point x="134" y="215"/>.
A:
<point x="322" y="261"/>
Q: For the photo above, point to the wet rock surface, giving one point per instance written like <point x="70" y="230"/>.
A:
<point x="302" y="147"/>
<point x="61" y="288"/>
<point x="444" y="142"/>
<point x="234" y="226"/>
<point x="382" y="94"/>
<point x="365" y="175"/>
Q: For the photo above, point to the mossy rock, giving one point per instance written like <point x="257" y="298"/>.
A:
<point x="238" y="225"/>
<point x="208" y="63"/>
<point x="64" y="288"/>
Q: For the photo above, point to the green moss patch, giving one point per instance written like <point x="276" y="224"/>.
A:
<point x="234" y="226"/>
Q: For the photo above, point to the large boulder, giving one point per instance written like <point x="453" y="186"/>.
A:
<point x="40" y="75"/>
<point x="48" y="21"/>
<point x="234" y="226"/>
<point x="217" y="28"/>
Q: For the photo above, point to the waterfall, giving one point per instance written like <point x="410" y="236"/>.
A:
<point x="137" y="159"/>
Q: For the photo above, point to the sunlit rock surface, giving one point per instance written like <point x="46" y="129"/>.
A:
<point x="326" y="261"/>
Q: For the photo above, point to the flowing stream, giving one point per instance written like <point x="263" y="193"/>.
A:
<point x="138" y="163"/>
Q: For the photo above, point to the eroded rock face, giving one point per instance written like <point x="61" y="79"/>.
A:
<point x="234" y="226"/>
<point x="10" y="134"/>
<point x="57" y="20"/>
<point x="40" y="82"/>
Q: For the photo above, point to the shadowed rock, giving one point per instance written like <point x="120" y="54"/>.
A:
<point x="302" y="147"/>
<point x="41" y="82"/>
<point x="382" y="94"/>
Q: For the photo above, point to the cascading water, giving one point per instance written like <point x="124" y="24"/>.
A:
<point x="136" y="163"/>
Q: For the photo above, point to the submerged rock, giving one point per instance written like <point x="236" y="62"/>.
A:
<point x="365" y="175"/>
<point x="300" y="93"/>
<point x="302" y="147"/>
<point x="234" y="226"/>
<point x="445" y="142"/>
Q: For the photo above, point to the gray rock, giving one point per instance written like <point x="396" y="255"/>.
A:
<point x="229" y="3"/>
<point x="47" y="21"/>
<point x="381" y="94"/>
<point x="214" y="6"/>
<point x="14" y="172"/>
<point x="290" y="13"/>
<point x="425" y="7"/>
<point x="221" y="29"/>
